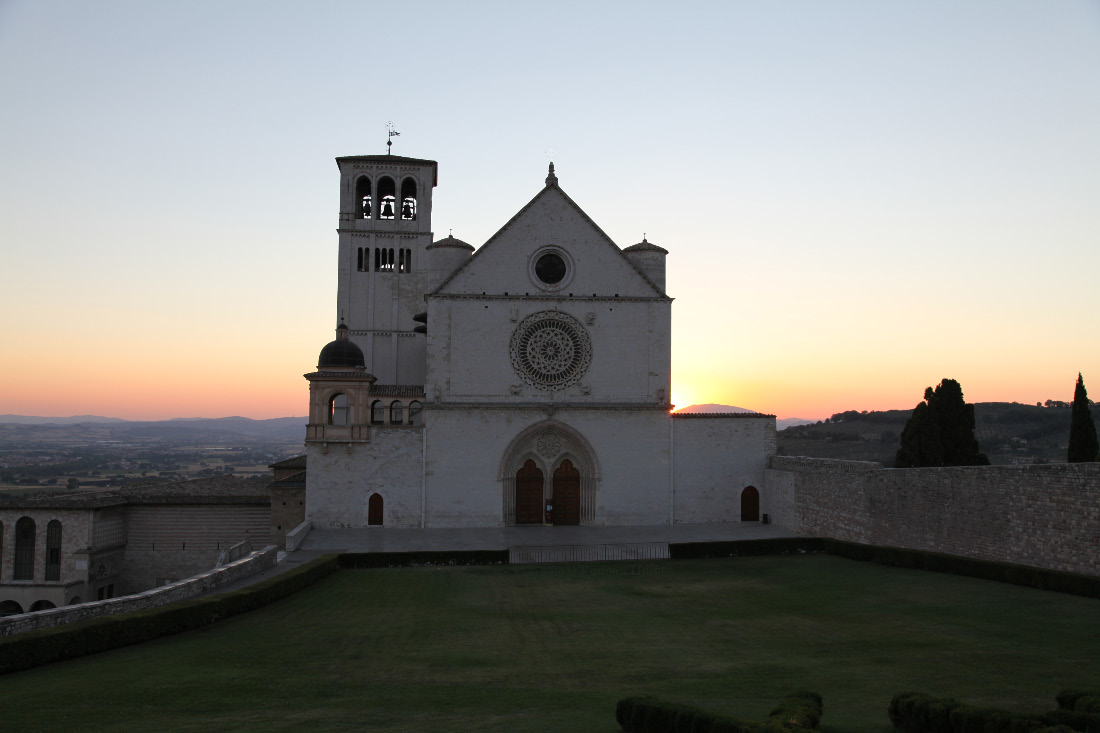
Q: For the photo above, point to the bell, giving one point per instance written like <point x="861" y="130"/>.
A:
<point x="406" y="211"/>
<point x="387" y="210"/>
<point x="366" y="208"/>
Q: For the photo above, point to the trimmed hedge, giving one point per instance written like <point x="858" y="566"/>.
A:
<point x="914" y="712"/>
<point x="799" y="711"/>
<point x="1059" y="581"/>
<point x="745" y="548"/>
<point x="42" y="646"/>
<point x="407" y="559"/>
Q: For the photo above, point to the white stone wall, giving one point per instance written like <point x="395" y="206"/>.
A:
<point x="339" y="482"/>
<point x="716" y="458"/>
<point x="469" y="359"/>
<point x="466" y="448"/>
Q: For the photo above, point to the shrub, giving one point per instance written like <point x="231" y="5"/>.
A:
<point x="1052" y="580"/>
<point x="796" y="712"/>
<point x="745" y="548"/>
<point x="405" y="559"/>
<point x="918" y="713"/>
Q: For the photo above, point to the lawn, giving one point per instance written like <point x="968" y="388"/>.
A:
<point x="552" y="647"/>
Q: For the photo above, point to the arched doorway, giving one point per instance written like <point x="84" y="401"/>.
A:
<point x="750" y="504"/>
<point x="529" y="494"/>
<point x="374" y="510"/>
<point x="529" y="475"/>
<point x="567" y="494"/>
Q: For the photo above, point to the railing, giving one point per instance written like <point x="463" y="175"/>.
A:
<point x="588" y="553"/>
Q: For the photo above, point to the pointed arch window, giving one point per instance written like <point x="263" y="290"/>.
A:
<point x="338" y="408"/>
<point x="362" y="198"/>
<point x="24" y="550"/>
<point x="408" y="199"/>
<point x="53" y="550"/>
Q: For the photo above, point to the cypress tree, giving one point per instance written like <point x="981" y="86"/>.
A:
<point x="1083" y="445"/>
<point x="940" y="432"/>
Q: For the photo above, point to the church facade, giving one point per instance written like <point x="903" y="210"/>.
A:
<point x="526" y="382"/>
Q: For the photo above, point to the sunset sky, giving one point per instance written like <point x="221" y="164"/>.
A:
<point x="859" y="197"/>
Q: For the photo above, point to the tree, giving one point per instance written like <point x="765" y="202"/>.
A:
<point x="940" y="432"/>
<point x="1083" y="445"/>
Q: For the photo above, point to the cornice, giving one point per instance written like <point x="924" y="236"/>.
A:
<point x="552" y="298"/>
<point x="551" y="407"/>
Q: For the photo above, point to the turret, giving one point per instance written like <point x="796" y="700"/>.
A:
<point x="650" y="259"/>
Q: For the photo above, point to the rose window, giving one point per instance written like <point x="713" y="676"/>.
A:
<point x="550" y="350"/>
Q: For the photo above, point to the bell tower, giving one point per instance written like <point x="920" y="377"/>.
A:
<point x="385" y="230"/>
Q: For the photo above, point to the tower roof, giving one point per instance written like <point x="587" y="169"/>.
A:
<point x="393" y="159"/>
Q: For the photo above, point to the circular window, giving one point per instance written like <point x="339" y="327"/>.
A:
<point x="550" y="268"/>
<point x="550" y="350"/>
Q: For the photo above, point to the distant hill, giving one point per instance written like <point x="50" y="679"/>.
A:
<point x="74" y="420"/>
<point x="1007" y="432"/>
<point x="710" y="407"/>
<point x="179" y="430"/>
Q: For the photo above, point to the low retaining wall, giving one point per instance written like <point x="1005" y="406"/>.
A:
<point x="1045" y="516"/>
<point x="182" y="590"/>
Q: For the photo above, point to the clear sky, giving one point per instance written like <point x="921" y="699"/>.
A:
<point x="859" y="197"/>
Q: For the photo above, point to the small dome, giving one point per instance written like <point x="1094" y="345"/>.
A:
<point x="341" y="352"/>
<point x="644" y="246"/>
<point x="450" y="241"/>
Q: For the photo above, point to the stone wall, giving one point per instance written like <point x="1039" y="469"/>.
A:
<point x="715" y="458"/>
<point x="182" y="590"/>
<point x="169" y="542"/>
<point x="1045" y="516"/>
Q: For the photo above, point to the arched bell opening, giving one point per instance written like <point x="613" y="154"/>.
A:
<point x="568" y="476"/>
<point x="408" y="199"/>
<point x="387" y="198"/>
<point x="362" y="198"/>
<point x="750" y="504"/>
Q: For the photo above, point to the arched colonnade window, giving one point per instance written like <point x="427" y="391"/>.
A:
<point x="378" y="199"/>
<point x="395" y="412"/>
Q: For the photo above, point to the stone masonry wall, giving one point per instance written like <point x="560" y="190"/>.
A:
<point x="715" y="459"/>
<point x="1045" y="516"/>
<point x="182" y="590"/>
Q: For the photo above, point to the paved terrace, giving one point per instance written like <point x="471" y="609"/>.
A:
<point x="389" y="539"/>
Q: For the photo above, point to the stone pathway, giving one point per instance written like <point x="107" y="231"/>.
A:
<point x="534" y="539"/>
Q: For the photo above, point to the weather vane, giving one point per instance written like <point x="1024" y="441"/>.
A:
<point x="391" y="134"/>
<point x="550" y="154"/>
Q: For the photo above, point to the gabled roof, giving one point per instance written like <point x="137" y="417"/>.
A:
<point x="551" y="189"/>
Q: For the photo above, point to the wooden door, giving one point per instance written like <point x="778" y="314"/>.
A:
<point x="567" y="494"/>
<point x="374" y="510"/>
<point x="750" y="504"/>
<point x="529" y="494"/>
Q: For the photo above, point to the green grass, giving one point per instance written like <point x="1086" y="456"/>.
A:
<point x="553" y="647"/>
